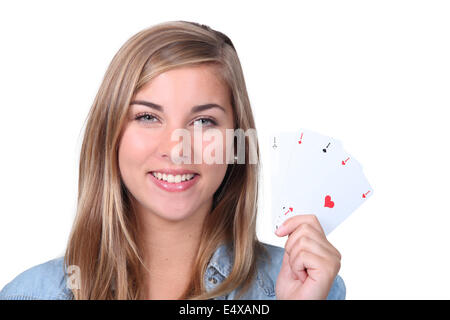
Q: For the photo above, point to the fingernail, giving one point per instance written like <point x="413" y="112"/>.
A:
<point x="279" y="231"/>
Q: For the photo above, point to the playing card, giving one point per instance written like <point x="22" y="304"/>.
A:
<point x="312" y="157"/>
<point x="319" y="177"/>
<point x="341" y="193"/>
<point x="280" y="146"/>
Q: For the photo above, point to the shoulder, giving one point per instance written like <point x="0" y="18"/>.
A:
<point x="45" y="281"/>
<point x="270" y="265"/>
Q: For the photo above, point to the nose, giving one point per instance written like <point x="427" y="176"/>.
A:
<point x="175" y="145"/>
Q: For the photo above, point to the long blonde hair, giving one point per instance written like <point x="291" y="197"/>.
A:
<point x="104" y="241"/>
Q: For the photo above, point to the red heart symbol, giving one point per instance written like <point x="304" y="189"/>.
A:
<point x="328" y="202"/>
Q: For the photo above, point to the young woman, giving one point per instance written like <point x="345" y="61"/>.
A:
<point x="150" y="228"/>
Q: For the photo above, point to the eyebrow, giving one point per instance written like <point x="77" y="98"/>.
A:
<point x="194" y="109"/>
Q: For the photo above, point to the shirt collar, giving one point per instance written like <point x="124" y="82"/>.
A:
<point x="222" y="260"/>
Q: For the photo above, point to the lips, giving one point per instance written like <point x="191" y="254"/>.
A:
<point x="174" y="186"/>
<point x="174" y="171"/>
<point x="173" y="178"/>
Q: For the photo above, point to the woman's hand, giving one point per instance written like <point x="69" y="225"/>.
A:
<point x="310" y="262"/>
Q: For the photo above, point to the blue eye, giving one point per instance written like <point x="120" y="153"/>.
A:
<point x="210" y="121"/>
<point x="145" y="117"/>
<point x="149" y="118"/>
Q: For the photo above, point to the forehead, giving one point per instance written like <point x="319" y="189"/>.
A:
<point x="194" y="84"/>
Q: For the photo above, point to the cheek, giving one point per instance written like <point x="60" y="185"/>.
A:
<point x="214" y="164"/>
<point x="215" y="174"/>
<point x="134" y="149"/>
<point x="215" y="149"/>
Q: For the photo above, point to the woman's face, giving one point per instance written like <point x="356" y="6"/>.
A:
<point x="163" y="105"/>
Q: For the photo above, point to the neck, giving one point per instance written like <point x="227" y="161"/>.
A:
<point x="170" y="246"/>
<point x="169" y="251"/>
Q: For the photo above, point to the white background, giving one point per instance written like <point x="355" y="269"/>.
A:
<point x="373" y="74"/>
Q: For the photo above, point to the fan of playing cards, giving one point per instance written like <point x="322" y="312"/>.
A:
<point x="312" y="174"/>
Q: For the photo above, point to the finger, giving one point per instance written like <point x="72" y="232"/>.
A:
<point x="306" y="230"/>
<point x="305" y="261"/>
<point x="286" y="270"/>
<point x="292" y="223"/>
<point x="303" y="230"/>
<point x="308" y="244"/>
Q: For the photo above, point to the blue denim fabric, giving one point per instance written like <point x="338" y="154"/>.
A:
<point x="48" y="281"/>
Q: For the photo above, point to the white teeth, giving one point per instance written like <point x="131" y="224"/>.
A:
<point x="171" y="178"/>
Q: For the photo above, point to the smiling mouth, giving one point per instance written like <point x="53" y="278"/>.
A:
<point x="173" y="178"/>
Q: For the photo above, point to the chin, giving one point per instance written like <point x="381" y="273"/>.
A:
<point x="174" y="213"/>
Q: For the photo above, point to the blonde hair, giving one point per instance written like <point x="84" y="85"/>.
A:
<point x="104" y="241"/>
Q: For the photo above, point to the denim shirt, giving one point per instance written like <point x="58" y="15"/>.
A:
<point x="48" y="281"/>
